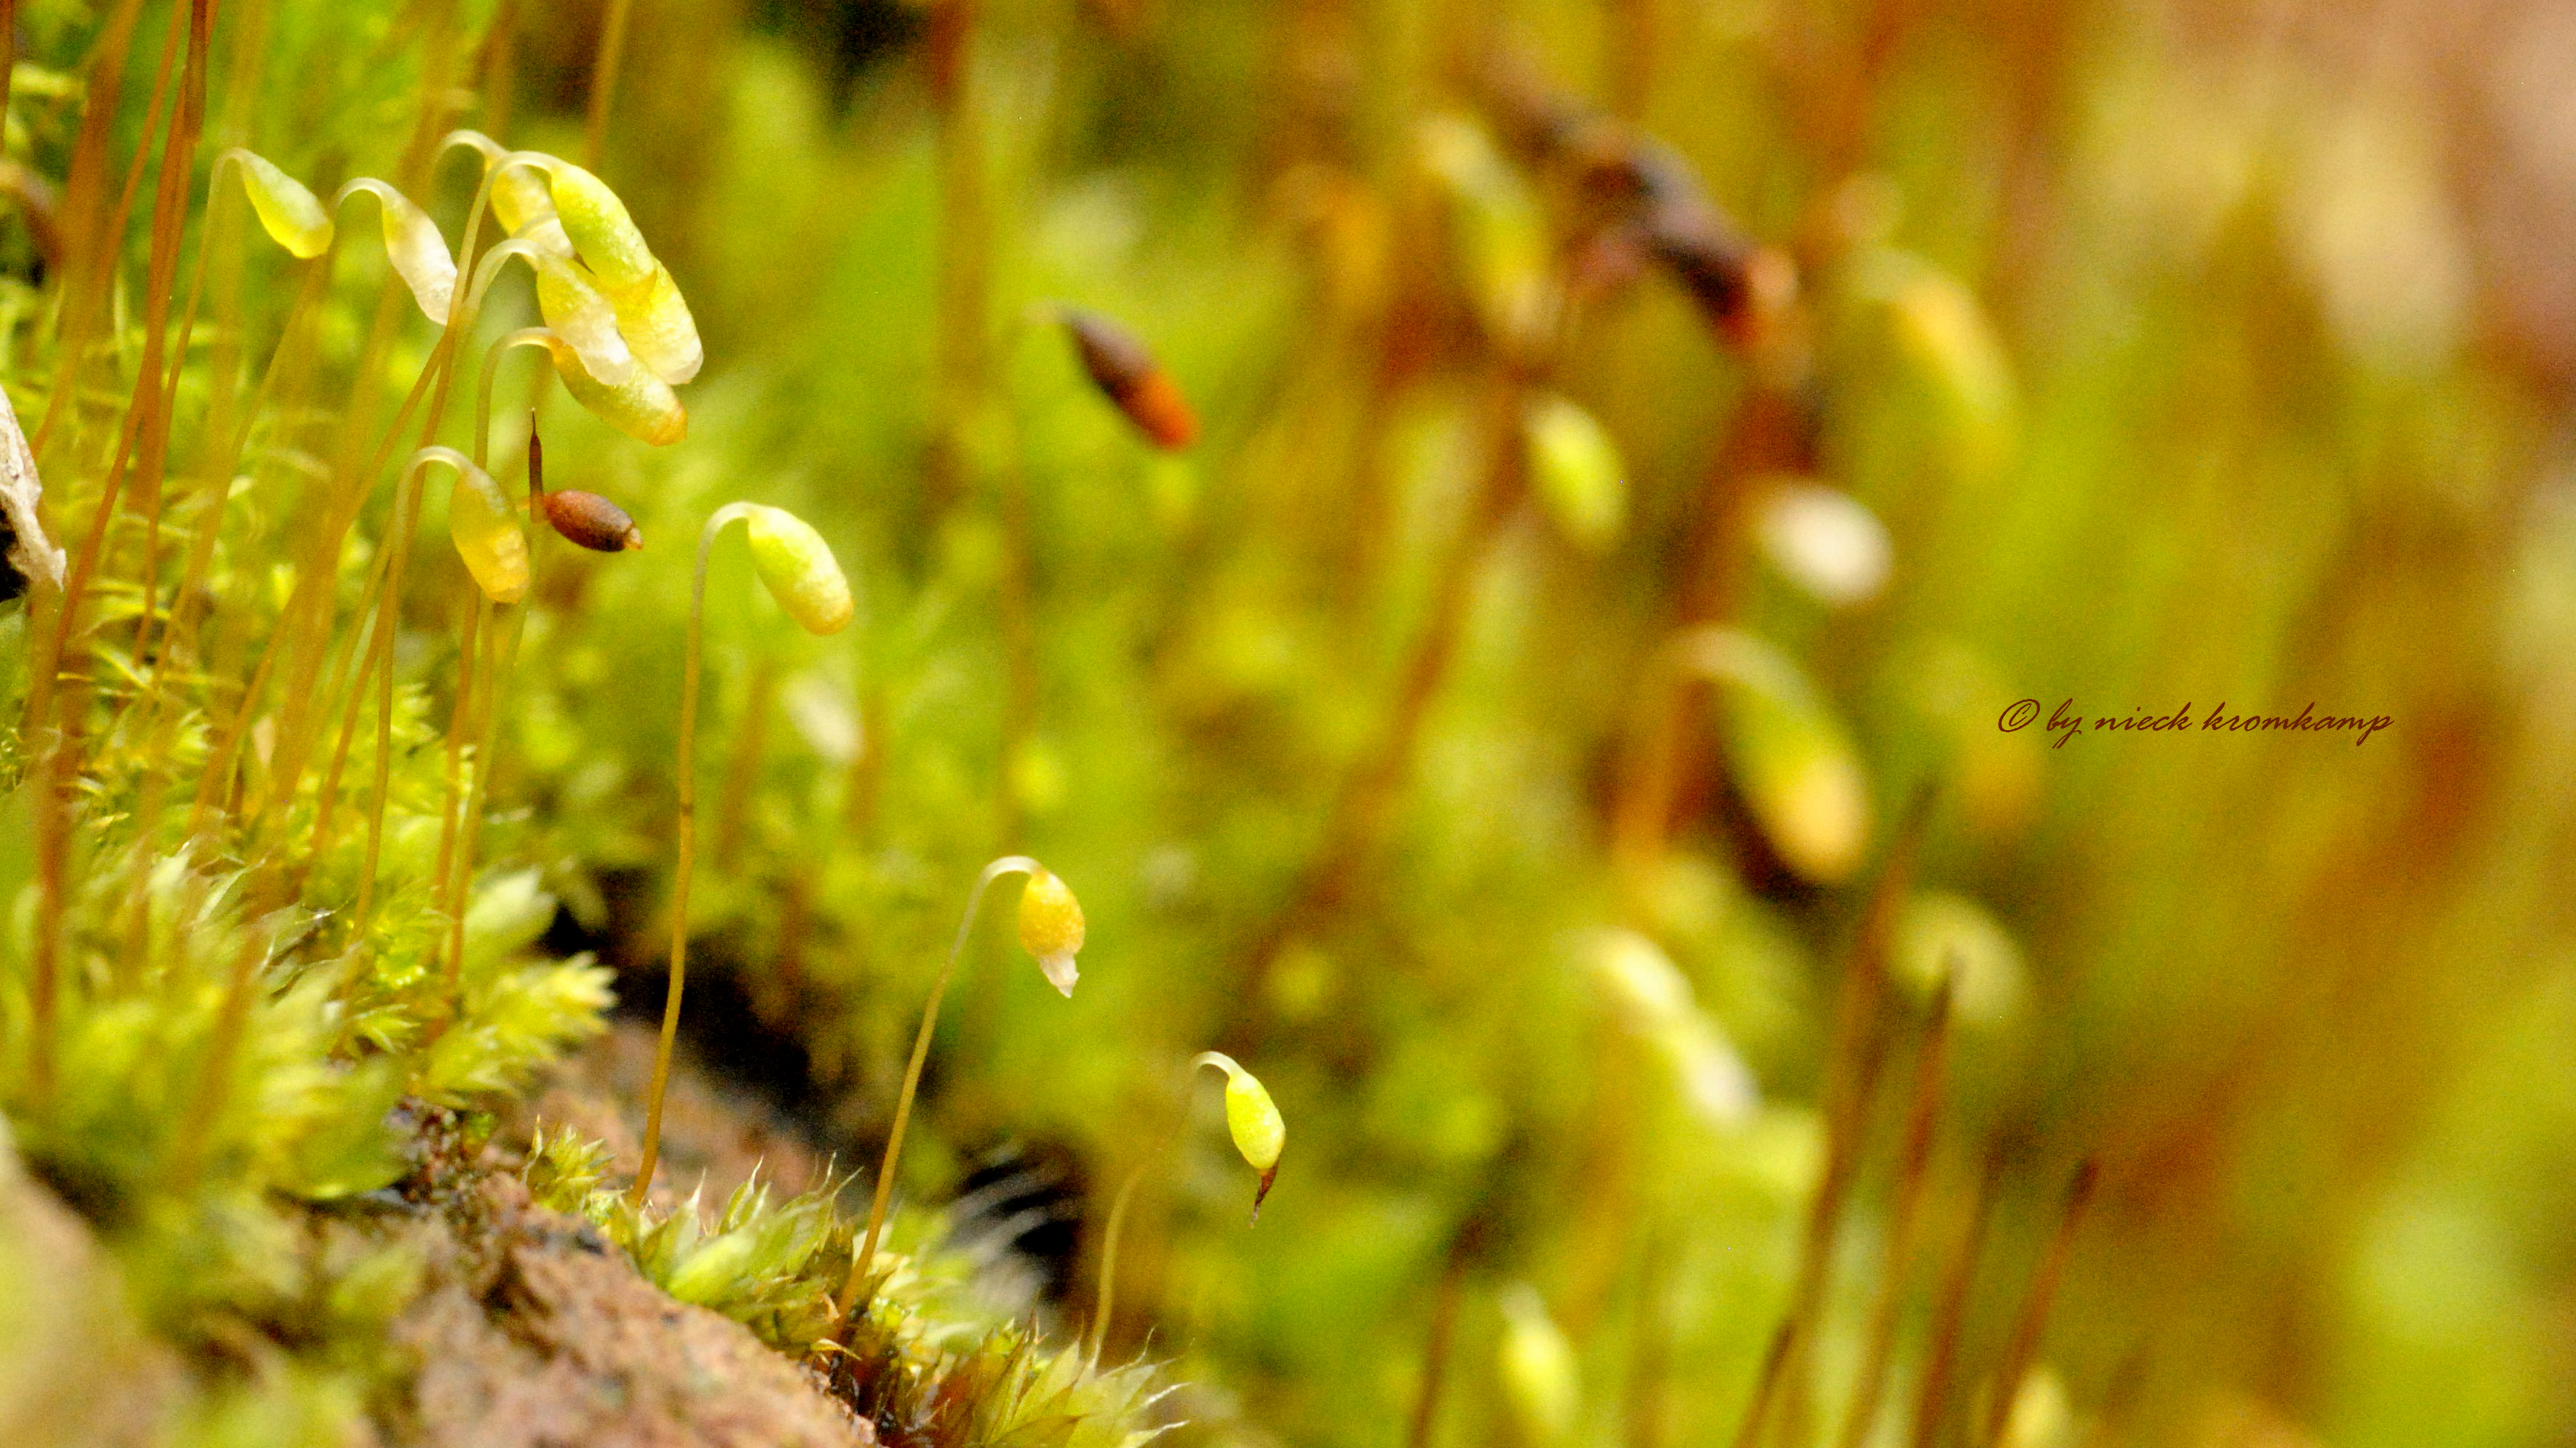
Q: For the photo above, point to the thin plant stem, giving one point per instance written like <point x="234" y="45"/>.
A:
<point x="1117" y="1222"/>
<point x="1369" y="793"/>
<point x="2023" y="1346"/>
<point x="81" y="199"/>
<point x="1913" y="1177"/>
<point x="1854" y="1058"/>
<point x="1950" y="1310"/>
<point x="1109" y="1268"/>
<point x="142" y="413"/>
<point x="497" y="671"/>
<point x="407" y="489"/>
<point x="603" y="81"/>
<point x="688" y="829"/>
<point x="1766" y="1383"/>
<point x="1425" y="1418"/>
<point x="864" y="1262"/>
<point x="457" y="888"/>
<point x="459" y="722"/>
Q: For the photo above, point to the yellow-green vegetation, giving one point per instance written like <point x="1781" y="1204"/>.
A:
<point x="1502" y="547"/>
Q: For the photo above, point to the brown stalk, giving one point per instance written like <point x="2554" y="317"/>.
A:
<point x="1425" y="1418"/>
<point x="2023" y="1346"/>
<point x="458" y="720"/>
<point x="81" y="188"/>
<point x="1766" y="1383"/>
<point x="309" y="610"/>
<point x="288" y="355"/>
<point x="1950" y="1310"/>
<point x="1854" y="1060"/>
<point x="1913" y="1178"/>
<point x="104" y="245"/>
<point x="169" y="223"/>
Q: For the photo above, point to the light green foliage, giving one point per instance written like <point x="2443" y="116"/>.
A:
<point x="772" y="1266"/>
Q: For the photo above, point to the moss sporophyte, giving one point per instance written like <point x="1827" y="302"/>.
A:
<point x="1050" y="928"/>
<point x="797" y="567"/>
<point x="1259" y="1133"/>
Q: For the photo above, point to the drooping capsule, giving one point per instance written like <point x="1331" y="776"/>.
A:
<point x="1578" y="472"/>
<point x="600" y="228"/>
<point x="526" y="210"/>
<point x="592" y="521"/>
<point x="486" y="537"/>
<point x="799" y="570"/>
<point x="1122" y="368"/>
<point x="1051" y="927"/>
<point x="1252" y="1119"/>
<point x="576" y="310"/>
<point x="657" y="325"/>
<point x="288" y="210"/>
<point x="635" y="402"/>
<point x="414" y="246"/>
<point x="1791" y="757"/>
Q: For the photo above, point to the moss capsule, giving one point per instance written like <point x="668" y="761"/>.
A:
<point x="600" y="230"/>
<point x="1051" y="927"/>
<point x="636" y="402"/>
<point x="288" y="210"/>
<point x="1252" y="1119"/>
<point x="486" y="537"/>
<point x="656" y="323"/>
<point x="798" y="567"/>
<point x="1128" y="374"/>
<point x="592" y="521"/>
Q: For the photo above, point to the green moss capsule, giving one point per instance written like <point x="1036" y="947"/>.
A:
<point x="636" y="402"/>
<point x="1252" y="1119"/>
<point x="600" y="230"/>
<point x="656" y="323"/>
<point x="486" y="537"/>
<point x="797" y="565"/>
<point x="288" y="210"/>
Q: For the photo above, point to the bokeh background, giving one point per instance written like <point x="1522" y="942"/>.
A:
<point x="1930" y="355"/>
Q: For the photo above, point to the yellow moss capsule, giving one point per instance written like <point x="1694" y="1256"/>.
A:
<point x="1577" y="469"/>
<point x="1252" y="1119"/>
<point x="637" y="403"/>
<point x="1051" y="927"/>
<point x="1796" y="766"/>
<point x="413" y="244"/>
<point x="1537" y="1366"/>
<point x="526" y="210"/>
<point x="798" y="567"/>
<point x="486" y="537"/>
<point x="577" y="311"/>
<point x="599" y="228"/>
<point x="656" y="322"/>
<point x="288" y="210"/>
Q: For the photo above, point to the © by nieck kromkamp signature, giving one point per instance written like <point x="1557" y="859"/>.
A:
<point x="2068" y="721"/>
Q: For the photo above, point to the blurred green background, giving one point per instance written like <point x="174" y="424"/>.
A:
<point x="2175" y="353"/>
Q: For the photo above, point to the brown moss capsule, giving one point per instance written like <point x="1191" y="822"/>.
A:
<point x="592" y="521"/>
<point x="1132" y="379"/>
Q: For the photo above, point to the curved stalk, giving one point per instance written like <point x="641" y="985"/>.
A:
<point x="1207" y="1060"/>
<point x="688" y="786"/>
<point x="456" y="887"/>
<point x="1109" y="1270"/>
<point x="388" y="611"/>
<point x="866" y="1258"/>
